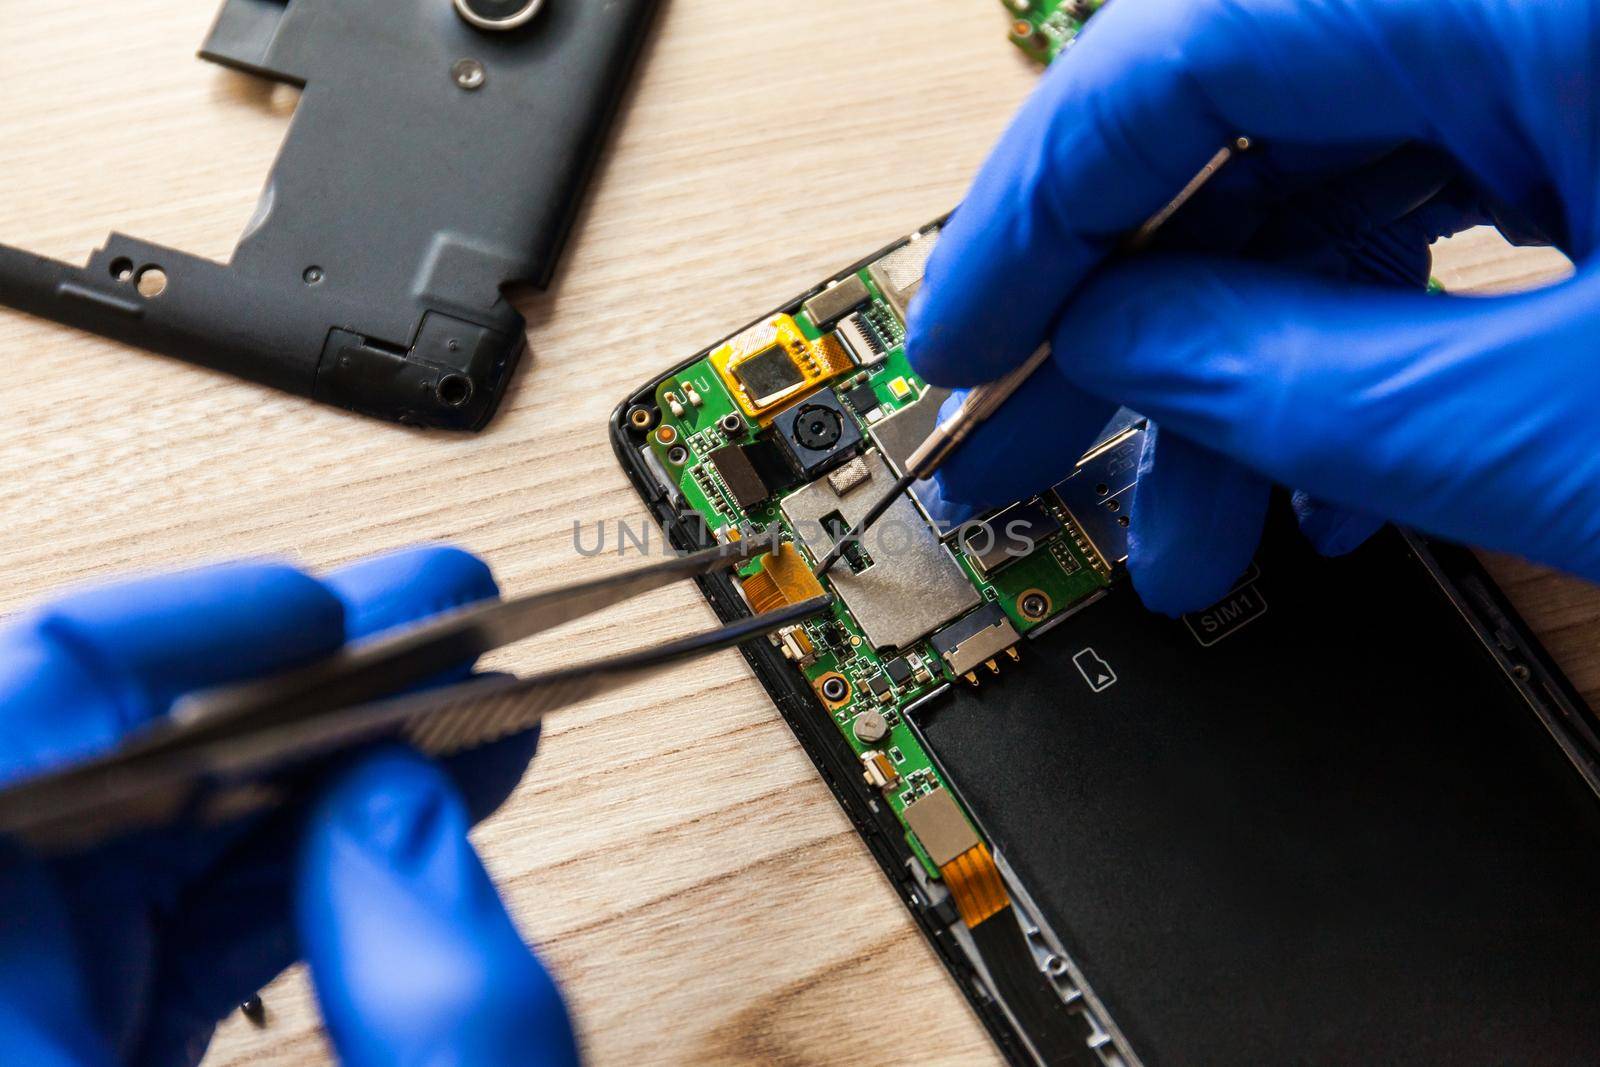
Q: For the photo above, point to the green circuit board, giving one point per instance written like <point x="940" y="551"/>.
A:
<point x="1043" y="28"/>
<point x="699" y="421"/>
<point x="729" y="436"/>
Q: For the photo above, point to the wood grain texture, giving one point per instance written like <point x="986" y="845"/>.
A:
<point x="672" y="852"/>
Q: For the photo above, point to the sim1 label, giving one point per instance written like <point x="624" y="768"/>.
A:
<point x="1230" y="614"/>
<point x="1095" y="670"/>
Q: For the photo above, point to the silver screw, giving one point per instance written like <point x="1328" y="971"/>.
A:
<point x="469" y="74"/>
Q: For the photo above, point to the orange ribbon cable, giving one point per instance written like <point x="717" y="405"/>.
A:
<point x="974" y="881"/>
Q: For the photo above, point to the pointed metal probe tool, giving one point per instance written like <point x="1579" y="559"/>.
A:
<point x="984" y="400"/>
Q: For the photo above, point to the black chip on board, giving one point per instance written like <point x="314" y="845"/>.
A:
<point x="739" y="475"/>
<point x="862" y="398"/>
<point x="899" y="670"/>
<point x="878" y="686"/>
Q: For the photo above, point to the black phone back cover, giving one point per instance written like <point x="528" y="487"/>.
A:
<point x="430" y="165"/>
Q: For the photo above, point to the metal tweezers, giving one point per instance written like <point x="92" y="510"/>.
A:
<point x="238" y="750"/>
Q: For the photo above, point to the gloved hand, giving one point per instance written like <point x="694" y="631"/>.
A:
<point x="130" y="954"/>
<point x="1268" y="340"/>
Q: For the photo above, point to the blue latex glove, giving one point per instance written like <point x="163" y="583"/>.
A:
<point x="1266" y="335"/>
<point x="130" y="954"/>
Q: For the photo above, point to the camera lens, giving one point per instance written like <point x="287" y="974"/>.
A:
<point x="818" y="428"/>
<point x="498" y="14"/>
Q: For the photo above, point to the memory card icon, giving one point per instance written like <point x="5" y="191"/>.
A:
<point x="1095" y="670"/>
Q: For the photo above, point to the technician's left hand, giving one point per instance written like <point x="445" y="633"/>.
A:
<point x="131" y="954"/>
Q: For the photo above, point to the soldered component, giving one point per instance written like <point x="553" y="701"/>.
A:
<point x="912" y="583"/>
<point x="836" y="301"/>
<point x="773" y="363"/>
<point x="768" y="375"/>
<point x="862" y="341"/>
<point x="692" y="395"/>
<point x="739" y="475"/>
<point x="835" y="635"/>
<point x="882" y="691"/>
<point x="941" y="826"/>
<point x="976" y="640"/>
<point x="674" y="405"/>
<point x="862" y="399"/>
<point x="658" y="471"/>
<point x="701" y="473"/>
<point x="848" y="476"/>
<point x="1099" y="494"/>
<point x="795" y="645"/>
<point x="879" y="771"/>
<point x="1009" y="535"/>
<point x="898" y="275"/>
<point x="901" y="432"/>
<point x="816" y="434"/>
<point x="784" y="579"/>
<point x="899" y="670"/>
<point x="771" y="463"/>
<point x="870" y="727"/>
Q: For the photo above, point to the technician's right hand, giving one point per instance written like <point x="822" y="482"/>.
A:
<point x="1267" y="338"/>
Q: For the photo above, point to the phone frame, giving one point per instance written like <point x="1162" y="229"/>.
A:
<point x="1456" y="571"/>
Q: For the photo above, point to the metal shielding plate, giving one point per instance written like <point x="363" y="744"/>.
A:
<point x="903" y="432"/>
<point x="837" y="300"/>
<point x="1099" y="494"/>
<point x="899" y="274"/>
<point x="913" y="584"/>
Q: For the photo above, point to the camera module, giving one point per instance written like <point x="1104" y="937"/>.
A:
<point x="818" y="428"/>
<point x="498" y="14"/>
<point x="816" y="434"/>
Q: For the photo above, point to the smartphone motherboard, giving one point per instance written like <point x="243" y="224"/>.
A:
<point x="1300" y="826"/>
<point x="1133" y="838"/>
<point x="788" y="431"/>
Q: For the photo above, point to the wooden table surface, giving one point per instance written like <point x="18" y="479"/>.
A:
<point x="672" y="853"/>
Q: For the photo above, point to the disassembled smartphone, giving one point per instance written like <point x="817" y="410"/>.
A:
<point x="1349" y="813"/>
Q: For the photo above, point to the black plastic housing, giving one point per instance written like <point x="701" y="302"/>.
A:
<point x="429" y="165"/>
